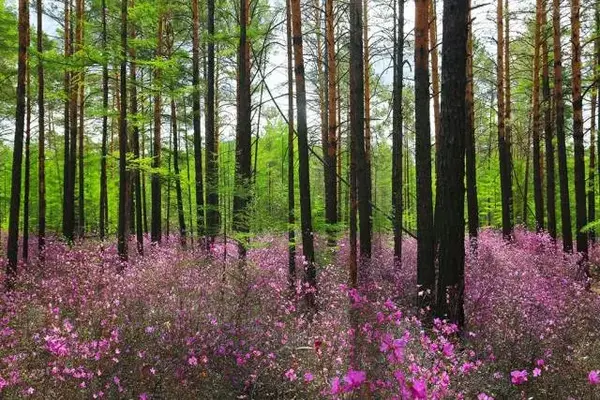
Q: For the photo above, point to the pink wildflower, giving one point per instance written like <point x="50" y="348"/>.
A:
<point x="291" y="374"/>
<point x="354" y="379"/>
<point x="518" y="377"/>
<point x="594" y="377"/>
<point x="308" y="377"/>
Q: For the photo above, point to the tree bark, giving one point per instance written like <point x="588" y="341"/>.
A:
<point x="548" y="130"/>
<point x="41" y="138"/>
<point x="243" y="172"/>
<point x="80" y="131"/>
<point x="579" y="156"/>
<point x="196" y="124"/>
<point x="27" y="180"/>
<point x="104" y="152"/>
<point x="470" y="147"/>
<point x="67" y="122"/>
<point x="537" y="126"/>
<point x="122" y="237"/>
<point x="559" y="103"/>
<point x="212" y="140"/>
<point x="503" y="132"/>
<point x="15" y="193"/>
<point x="310" y="272"/>
<point x="450" y="181"/>
<point x="425" y="233"/>
<point x="290" y="138"/>
<point x="137" y="181"/>
<point x="398" y="131"/>
<point x="178" y="192"/>
<point x="156" y="220"/>
<point x="358" y="130"/>
<point x="331" y="195"/>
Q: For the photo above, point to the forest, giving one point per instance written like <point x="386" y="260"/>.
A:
<point x="299" y="199"/>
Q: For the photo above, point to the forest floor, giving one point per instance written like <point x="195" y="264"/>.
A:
<point x="190" y="324"/>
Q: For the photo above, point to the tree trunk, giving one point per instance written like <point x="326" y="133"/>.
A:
<point x="156" y="220"/>
<point x="398" y="133"/>
<point x="67" y="120"/>
<point x="122" y="237"/>
<point x="548" y="130"/>
<point x="104" y="156"/>
<point x="243" y="173"/>
<point x="80" y="131"/>
<point x="137" y="181"/>
<point x="504" y="132"/>
<point x="310" y="272"/>
<point x="425" y="233"/>
<point x="358" y="130"/>
<point x="470" y="147"/>
<point x="565" y="203"/>
<point x="212" y="140"/>
<point x="450" y="181"/>
<point x="591" y="194"/>
<point x="579" y="156"/>
<point x="291" y="184"/>
<point x="73" y="126"/>
<point x="178" y="192"/>
<point x="196" y="124"/>
<point x="537" y="127"/>
<point x="15" y="193"/>
<point x="367" y="96"/>
<point x="41" y="138"/>
<point x="331" y="195"/>
<point x="27" y="182"/>
<point x="435" y="78"/>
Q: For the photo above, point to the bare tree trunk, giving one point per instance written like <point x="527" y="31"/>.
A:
<point x="398" y="132"/>
<point x="537" y="126"/>
<point x="15" y="193"/>
<point x="178" y="192"/>
<point x="291" y="184"/>
<point x="331" y="206"/>
<point x="565" y="203"/>
<point x="548" y="129"/>
<point x="137" y="181"/>
<point x="357" y="130"/>
<point x="425" y="233"/>
<point x="41" y="138"/>
<point x="67" y="121"/>
<point x="310" y="273"/>
<point x="196" y="123"/>
<point x="470" y="147"/>
<point x="212" y="139"/>
<point x="435" y="78"/>
<point x="103" y="159"/>
<point x="122" y="237"/>
<point x="80" y="131"/>
<point x="243" y="172"/>
<point x="156" y="220"/>
<point x="579" y="156"/>
<point x="27" y="182"/>
<point x="450" y="181"/>
<point x="503" y="132"/>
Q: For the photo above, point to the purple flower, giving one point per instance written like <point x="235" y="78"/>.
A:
<point x="537" y="372"/>
<point x="291" y="374"/>
<point x="419" y="389"/>
<point x="518" y="377"/>
<point x="336" y="387"/>
<point x="354" y="379"/>
<point x="594" y="377"/>
<point x="308" y="377"/>
<point x="193" y="361"/>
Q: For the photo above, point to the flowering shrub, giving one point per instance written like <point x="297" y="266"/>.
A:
<point x="192" y="324"/>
